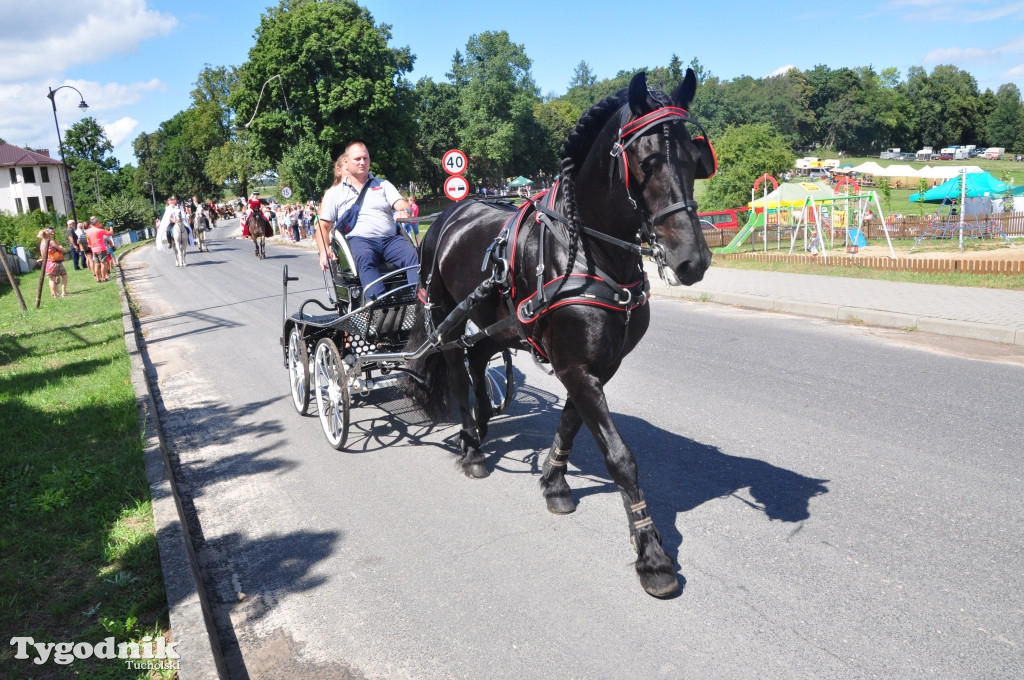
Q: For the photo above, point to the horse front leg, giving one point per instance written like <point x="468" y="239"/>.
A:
<point x="556" y="490"/>
<point x="654" y="568"/>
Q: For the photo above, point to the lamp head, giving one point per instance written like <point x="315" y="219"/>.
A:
<point x="82" y="105"/>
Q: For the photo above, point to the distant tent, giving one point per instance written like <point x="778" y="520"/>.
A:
<point x="978" y="184"/>
<point x="520" y="182"/>
<point x="868" y="168"/>
<point x="794" y="194"/>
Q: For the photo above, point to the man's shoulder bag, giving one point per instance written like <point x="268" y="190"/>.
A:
<point x="347" y="222"/>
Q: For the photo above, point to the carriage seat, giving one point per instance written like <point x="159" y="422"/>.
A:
<point x="346" y="276"/>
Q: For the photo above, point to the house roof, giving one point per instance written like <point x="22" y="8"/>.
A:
<point x="11" y="155"/>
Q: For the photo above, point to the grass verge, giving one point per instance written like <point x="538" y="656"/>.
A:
<point x="78" y="549"/>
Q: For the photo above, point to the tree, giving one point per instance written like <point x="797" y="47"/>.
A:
<point x="556" y="118"/>
<point x="438" y="120"/>
<point x="86" y="140"/>
<point x="339" y="82"/>
<point x="744" y="154"/>
<point x="1004" y="125"/>
<point x="496" y="107"/>
<point x="582" y="76"/>
<point x="947" y="105"/>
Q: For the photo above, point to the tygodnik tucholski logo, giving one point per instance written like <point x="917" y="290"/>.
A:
<point x="143" y="655"/>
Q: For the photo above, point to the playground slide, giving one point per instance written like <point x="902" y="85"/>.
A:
<point x="756" y="221"/>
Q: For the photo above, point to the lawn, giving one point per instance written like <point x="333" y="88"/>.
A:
<point x="78" y="550"/>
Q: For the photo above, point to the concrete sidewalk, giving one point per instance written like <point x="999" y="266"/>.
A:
<point x="975" y="313"/>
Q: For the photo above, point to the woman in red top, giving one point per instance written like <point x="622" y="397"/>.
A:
<point x="100" y="257"/>
<point x="254" y="205"/>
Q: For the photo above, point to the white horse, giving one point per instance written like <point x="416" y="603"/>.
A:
<point x="179" y="237"/>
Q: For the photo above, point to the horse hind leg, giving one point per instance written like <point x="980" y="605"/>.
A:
<point x="473" y="463"/>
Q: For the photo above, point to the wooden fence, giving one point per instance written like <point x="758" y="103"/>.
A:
<point x="944" y="265"/>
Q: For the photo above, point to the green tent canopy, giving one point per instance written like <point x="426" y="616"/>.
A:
<point x="978" y="184"/>
<point x="520" y="182"/>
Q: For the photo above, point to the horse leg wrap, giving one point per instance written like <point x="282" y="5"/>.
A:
<point x="557" y="459"/>
<point x="639" y="519"/>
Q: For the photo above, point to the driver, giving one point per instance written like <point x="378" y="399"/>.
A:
<point x="375" y="238"/>
<point x="254" y="205"/>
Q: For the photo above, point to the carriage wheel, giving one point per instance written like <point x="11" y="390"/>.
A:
<point x="501" y="384"/>
<point x="330" y="377"/>
<point x="298" y="370"/>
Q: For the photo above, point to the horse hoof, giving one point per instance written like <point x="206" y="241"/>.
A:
<point x="561" y="505"/>
<point x="660" y="584"/>
<point x="476" y="470"/>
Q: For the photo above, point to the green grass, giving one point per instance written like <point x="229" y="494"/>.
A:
<point x="1001" y="281"/>
<point x="78" y="551"/>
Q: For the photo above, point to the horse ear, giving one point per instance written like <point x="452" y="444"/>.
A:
<point x="638" y="99"/>
<point x="682" y="96"/>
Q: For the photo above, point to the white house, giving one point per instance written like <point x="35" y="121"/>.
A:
<point x="31" y="180"/>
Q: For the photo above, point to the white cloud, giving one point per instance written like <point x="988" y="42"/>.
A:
<point x="120" y="130"/>
<point x="780" y="71"/>
<point x="958" y="55"/>
<point x="27" y="115"/>
<point x="959" y="11"/>
<point x="47" y="37"/>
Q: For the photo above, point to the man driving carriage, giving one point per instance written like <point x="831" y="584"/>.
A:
<point x="375" y="239"/>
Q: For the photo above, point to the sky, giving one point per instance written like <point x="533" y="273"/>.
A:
<point x="135" y="61"/>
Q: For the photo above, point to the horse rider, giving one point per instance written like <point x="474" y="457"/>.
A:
<point x="375" y="238"/>
<point x="254" y="204"/>
<point x="173" y="213"/>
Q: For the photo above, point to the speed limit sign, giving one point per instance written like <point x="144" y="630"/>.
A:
<point x="286" y="192"/>
<point x="456" y="187"/>
<point x="454" y="162"/>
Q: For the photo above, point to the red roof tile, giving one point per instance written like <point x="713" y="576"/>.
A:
<point x="11" y="155"/>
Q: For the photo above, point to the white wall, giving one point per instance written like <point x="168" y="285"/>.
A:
<point x="55" y="188"/>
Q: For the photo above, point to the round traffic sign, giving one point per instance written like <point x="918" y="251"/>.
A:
<point x="286" y="192"/>
<point x="456" y="187"/>
<point x="454" y="162"/>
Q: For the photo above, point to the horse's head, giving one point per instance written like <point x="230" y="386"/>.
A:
<point x="658" y="161"/>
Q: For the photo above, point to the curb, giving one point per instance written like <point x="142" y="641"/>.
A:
<point x="189" y="610"/>
<point x="1009" y="335"/>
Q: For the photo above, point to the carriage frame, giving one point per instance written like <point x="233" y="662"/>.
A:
<point x="353" y="348"/>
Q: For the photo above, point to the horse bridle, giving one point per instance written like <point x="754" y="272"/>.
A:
<point x="629" y="132"/>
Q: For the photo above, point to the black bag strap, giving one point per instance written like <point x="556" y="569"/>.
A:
<point x="362" y="192"/>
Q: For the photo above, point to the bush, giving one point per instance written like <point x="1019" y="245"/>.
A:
<point x="23" y="230"/>
<point x="127" y="212"/>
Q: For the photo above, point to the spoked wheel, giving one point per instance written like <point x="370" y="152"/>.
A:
<point x="298" y="370"/>
<point x="501" y="384"/>
<point x="330" y="382"/>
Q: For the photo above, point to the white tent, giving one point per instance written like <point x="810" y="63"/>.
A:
<point x="868" y="168"/>
<point x="898" y="170"/>
<point x="946" y="171"/>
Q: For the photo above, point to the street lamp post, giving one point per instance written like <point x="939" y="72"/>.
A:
<point x="60" y="142"/>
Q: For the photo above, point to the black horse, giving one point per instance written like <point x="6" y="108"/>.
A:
<point x="628" y="171"/>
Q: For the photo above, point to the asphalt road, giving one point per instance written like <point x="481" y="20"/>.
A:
<point x="842" y="504"/>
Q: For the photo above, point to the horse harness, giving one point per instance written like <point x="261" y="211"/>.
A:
<point x="594" y="288"/>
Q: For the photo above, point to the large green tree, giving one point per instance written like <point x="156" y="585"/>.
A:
<point x="86" y="140"/>
<point x="745" y="153"/>
<point x="496" y="107"/>
<point x="323" y="72"/>
<point x="438" y="121"/>
<point x="947" y="105"/>
<point x="1005" y="125"/>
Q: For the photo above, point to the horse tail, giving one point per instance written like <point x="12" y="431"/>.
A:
<point x="431" y="396"/>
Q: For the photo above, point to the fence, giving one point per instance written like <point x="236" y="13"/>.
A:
<point x="938" y="266"/>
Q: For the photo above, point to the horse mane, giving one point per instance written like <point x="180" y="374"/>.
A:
<point x="574" y="151"/>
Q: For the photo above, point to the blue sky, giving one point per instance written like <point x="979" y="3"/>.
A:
<point x="135" y="61"/>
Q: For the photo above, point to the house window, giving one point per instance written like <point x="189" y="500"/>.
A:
<point x="29" y="174"/>
<point x="14" y="176"/>
<point x="33" y="203"/>
<point x="17" y="202"/>
<point x="44" y="175"/>
<point x="49" y="204"/>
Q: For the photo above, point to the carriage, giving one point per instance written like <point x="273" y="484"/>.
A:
<point x="351" y="348"/>
<point x="562" y="277"/>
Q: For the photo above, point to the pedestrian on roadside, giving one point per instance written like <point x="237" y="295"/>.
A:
<point x="100" y="258"/>
<point x="72" y="236"/>
<point x="413" y="228"/>
<point x="54" y="259"/>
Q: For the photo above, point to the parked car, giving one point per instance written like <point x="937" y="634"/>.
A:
<point x="945" y="157"/>
<point x="908" y="157"/>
